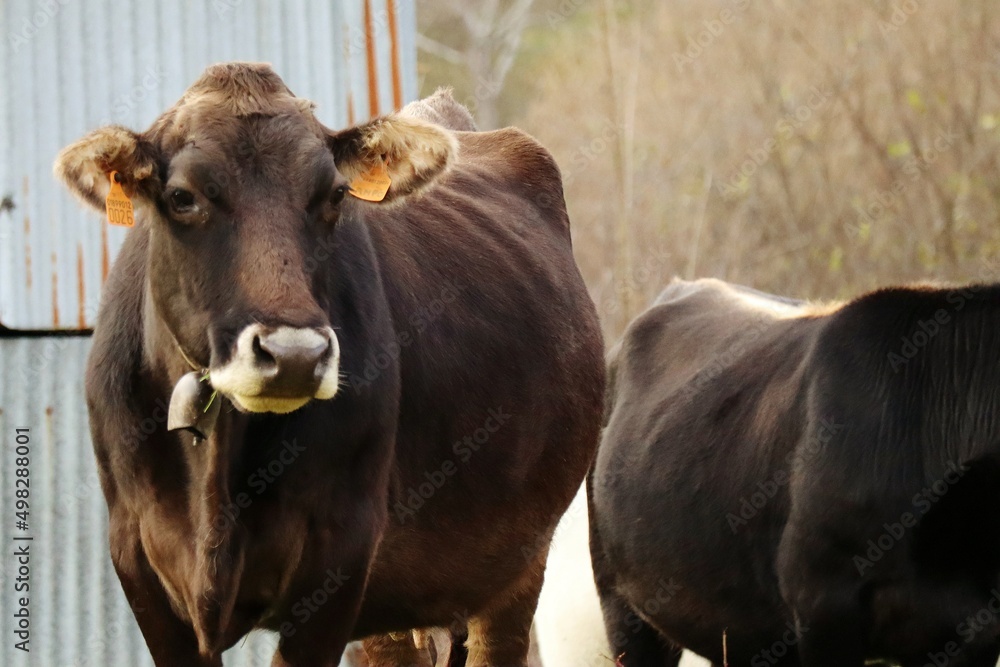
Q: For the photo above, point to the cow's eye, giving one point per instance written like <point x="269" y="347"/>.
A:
<point x="338" y="194"/>
<point x="181" y="201"/>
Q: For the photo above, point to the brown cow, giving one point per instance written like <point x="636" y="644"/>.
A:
<point x="409" y="391"/>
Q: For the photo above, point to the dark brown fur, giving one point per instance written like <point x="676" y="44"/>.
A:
<point x="759" y="449"/>
<point x="475" y="269"/>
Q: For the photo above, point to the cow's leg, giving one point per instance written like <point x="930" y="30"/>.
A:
<point x="171" y="641"/>
<point x="500" y="636"/>
<point x="396" y="650"/>
<point x="326" y="597"/>
<point x="633" y="641"/>
<point x="458" y="656"/>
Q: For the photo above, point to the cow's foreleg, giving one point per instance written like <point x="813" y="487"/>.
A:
<point x="171" y="641"/>
<point x="634" y="642"/>
<point x="500" y="636"/>
<point x="326" y="598"/>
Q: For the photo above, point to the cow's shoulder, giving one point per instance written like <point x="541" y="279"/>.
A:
<point x="695" y="317"/>
<point x="868" y="330"/>
<point x="515" y="157"/>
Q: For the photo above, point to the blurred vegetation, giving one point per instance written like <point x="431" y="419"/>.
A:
<point x="812" y="150"/>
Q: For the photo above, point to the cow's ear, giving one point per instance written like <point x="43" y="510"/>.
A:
<point x="414" y="152"/>
<point x="85" y="166"/>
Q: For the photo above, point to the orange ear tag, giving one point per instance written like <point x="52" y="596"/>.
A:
<point x="118" y="205"/>
<point x="372" y="184"/>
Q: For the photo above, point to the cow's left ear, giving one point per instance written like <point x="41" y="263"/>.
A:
<point x="85" y="166"/>
<point x="414" y="152"/>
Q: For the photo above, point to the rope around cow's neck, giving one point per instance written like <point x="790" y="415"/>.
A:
<point x="195" y="367"/>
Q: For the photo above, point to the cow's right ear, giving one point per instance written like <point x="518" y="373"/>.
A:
<point x="85" y="166"/>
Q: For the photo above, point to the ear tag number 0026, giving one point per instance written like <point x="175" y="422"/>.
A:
<point x="372" y="184"/>
<point x="118" y="205"/>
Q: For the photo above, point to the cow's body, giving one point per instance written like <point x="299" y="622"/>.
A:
<point x="425" y="491"/>
<point x="755" y="447"/>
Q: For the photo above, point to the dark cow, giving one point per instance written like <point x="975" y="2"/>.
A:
<point x="787" y="484"/>
<point x="410" y="390"/>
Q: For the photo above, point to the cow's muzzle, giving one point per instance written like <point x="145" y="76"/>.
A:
<point x="279" y="369"/>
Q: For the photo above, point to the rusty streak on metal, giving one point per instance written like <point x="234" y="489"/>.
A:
<point x="397" y="82"/>
<point x="372" y="64"/>
<point x="105" y="255"/>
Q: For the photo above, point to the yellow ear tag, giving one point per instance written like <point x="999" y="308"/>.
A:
<point x="372" y="184"/>
<point x="118" y="205"/>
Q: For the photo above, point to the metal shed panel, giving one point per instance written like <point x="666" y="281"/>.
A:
<point x="79" y="616"/>
<point x="67" y="68"/>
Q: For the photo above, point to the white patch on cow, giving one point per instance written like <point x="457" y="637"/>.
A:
<point x="244" y="381"/>
<point x="770" y="306"/>
<point x="778" y="308"/>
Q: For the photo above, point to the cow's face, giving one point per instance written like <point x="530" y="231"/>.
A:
<point x="240" y="188"/>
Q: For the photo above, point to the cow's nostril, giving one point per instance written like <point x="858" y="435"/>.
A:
<point x="295" y="354"/>
<point x="261" y="355"/>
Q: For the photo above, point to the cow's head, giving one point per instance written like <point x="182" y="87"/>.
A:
<point x="240" y="188"/>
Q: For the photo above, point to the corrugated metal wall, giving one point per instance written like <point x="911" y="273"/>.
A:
<point x="79" y="616"/>
<point x="67" y="67"/>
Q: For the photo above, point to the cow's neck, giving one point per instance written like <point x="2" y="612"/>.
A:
<point x="217" y="545"/>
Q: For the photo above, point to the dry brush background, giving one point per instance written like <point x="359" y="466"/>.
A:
<point x="810" y="149"/>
